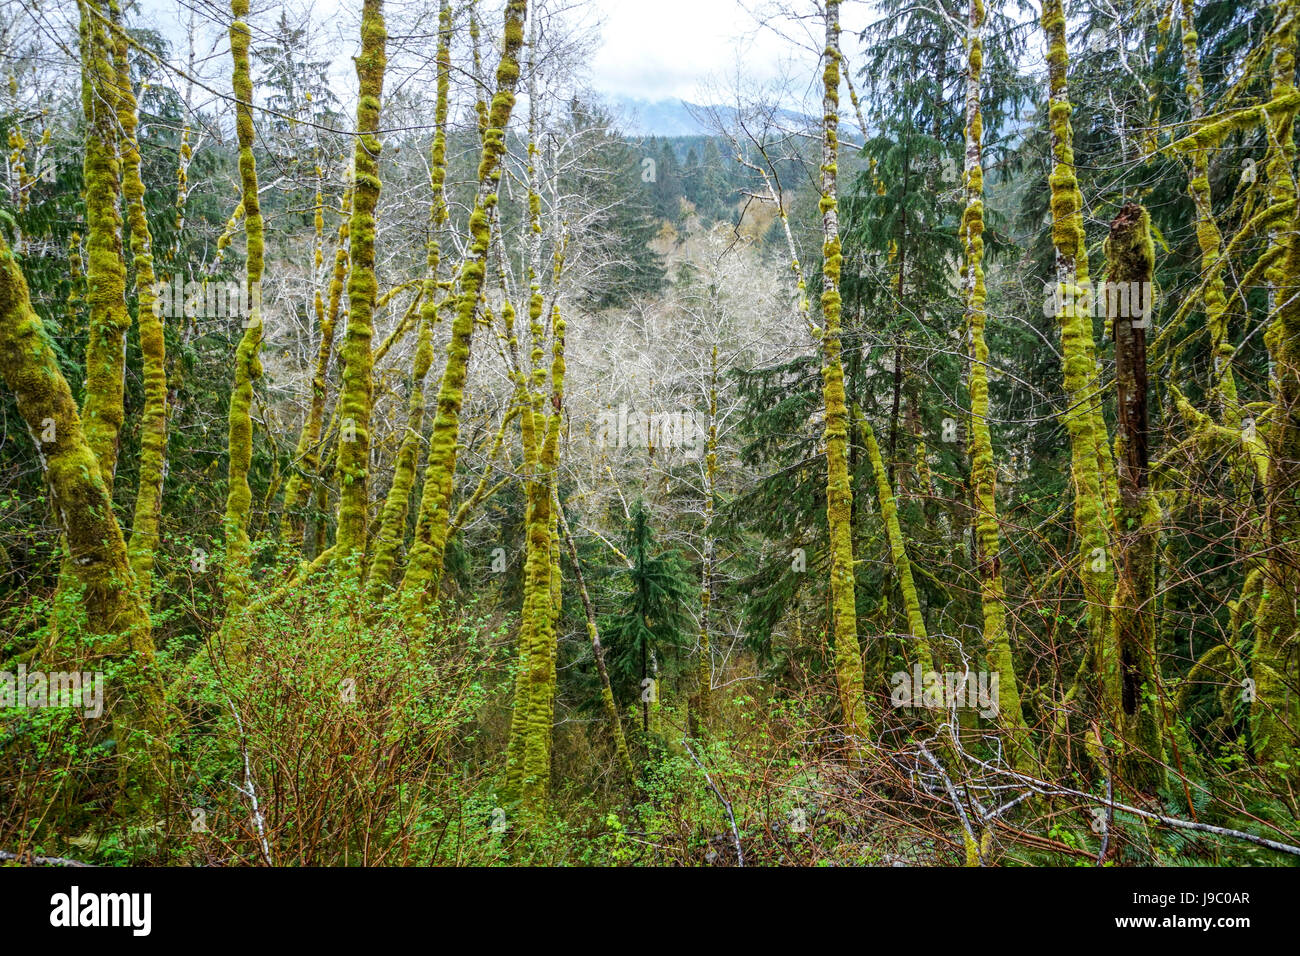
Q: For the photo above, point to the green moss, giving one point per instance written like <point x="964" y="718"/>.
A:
<point x="529" y="752"/>
<point x="392" y="525"/>
<point x="1089" y="448"/>
<point x="897" y="547"/>
<point x="1275" y="664"/>
<point x="983" y="468"/>
<point x="355" y="394"/>
<point x="97" y="558"/>
<point x="102" y="409"/>
<point x="248" y="367"/>
<point x="1138" y="720"/>
<point x="1216" y="129"/>
<point x="1223" y="385"/>
<point x="307" y="452"/>
<point x="839" y="491"/>
<point x="153" y="423"/>
<point x="424" y="567"/>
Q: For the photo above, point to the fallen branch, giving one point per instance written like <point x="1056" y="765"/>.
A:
<point x="29" y="860"/>
<point x="735" y="833"/>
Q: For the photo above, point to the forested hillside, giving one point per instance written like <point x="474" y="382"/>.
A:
<point x="403" y="463"/>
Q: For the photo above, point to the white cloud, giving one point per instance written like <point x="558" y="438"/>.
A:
<point x="680" y="49"/>
<point x="666" y="49"/>
<point x="648" y="49"/>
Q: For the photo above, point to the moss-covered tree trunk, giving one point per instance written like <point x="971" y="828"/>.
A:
<point x="392" y="525"/>
<point x="248" y="367"/>
<point x="839" y="490"/>
<point x="102" y="408"/>
<point x="355" y="394"/>
<point x="97" y="562"/>
<point x="143" y="544"/>
<point x="1070" y="240"/>
<point x="1083" y="419"/>
<point x="425" y="564"/>
<point x="1130" y="256"/>
<point x="518" y="741"/>
<point x="897" y="546"/>
<point x="1275" y="664"/>
<point x="531" y="442"/>
<point x="530" y="750"/>
<point x="997" y="640"/>
<point x="541" y="585"/>
<point x="1208" y="238"/>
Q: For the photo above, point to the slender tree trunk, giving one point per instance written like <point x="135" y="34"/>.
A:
<point x="541" y="570"/>
<point x="1083" y="419"/>
<point x="424" y="567"/>
<point x="997" y="641"/>
<point x="540" y="580"/>
<point x="102" y="409"/>
<point x="1275" y="669"/>
<point x="528" y="377"/>
<point x="143" y="543"/>
<point x="248" y="367"/>
<point x="597" y="652"/>
<point x="1223" y="386"/>
<point x="1130" y="255"/>
<point x="306" y="456"/>
<point x="839" y="490"/>
<point x="355" y="394"/>
<point x="895" y="408"/>
<point x="704" y="676"/>
<point x="897" y="546"/>
<point x="392" y="529"/>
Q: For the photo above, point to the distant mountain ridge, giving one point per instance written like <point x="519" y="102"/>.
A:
<point x="666" y="117"/>
<point x="671" y="116"/>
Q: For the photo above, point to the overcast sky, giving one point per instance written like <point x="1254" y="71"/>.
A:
<point x="671" y="48"/>
<point x="647" y="49"/>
